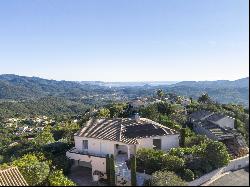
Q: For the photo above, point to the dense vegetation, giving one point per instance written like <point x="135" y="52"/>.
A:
<point x="166" y="178"/>
<point x="49" y="106"/>
<point x="46" y="153"/>
<point x="188" y="163"/>
<point x="238" y="112"/>
<point x="63" y="102"/>
<point x="14" y="87"/>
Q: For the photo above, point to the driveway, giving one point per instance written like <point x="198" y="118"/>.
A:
<point x="82" y="176"/>
<point x="235" y="178"/>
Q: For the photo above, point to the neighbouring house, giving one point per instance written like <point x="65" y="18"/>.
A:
<point x="12" y="177"/>
<point x="185" y="102"/>
<point x="38" y="129"/>
<point x="218" y="127"/>
<point x="137" y="103"/>
<point x="23" y="129"/>
<point x="121" y="137"/>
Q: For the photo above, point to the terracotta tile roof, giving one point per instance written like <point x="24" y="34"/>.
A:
<point x="12" y="177"/>
<point x="124" y="130"/>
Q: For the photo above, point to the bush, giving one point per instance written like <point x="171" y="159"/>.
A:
<point x="182" y="152"/>
<point x="172" y="163"/>
<point x="149" y="160"/>
<point x="34" y="171"/>
<point x="166" y="178"/>
<point x="62" y="162"/>
<point x="187" y="175"/>
<point x="56" y="178"/>
<point x="216" y="154"/>
<point x="152" y="160"/>
<point x="195" y="140"/>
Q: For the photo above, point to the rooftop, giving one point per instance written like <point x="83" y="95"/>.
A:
<point x="219" y="132"/>
<point x="125" y="130"/>
<point x="12" y="177"/>
<point x="201" y="114"/>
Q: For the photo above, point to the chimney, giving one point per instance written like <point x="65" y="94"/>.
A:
<point x="137" y="117"/>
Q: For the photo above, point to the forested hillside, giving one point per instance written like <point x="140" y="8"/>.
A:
<point x="19" y="94"/>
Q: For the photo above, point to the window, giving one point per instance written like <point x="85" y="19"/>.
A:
<point x="157" y="143"/>
<point x="85" y="144"/>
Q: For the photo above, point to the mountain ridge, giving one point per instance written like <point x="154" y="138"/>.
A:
<point x="15" y="87"/>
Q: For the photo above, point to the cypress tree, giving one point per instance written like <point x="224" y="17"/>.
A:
<point x="183" y="136"/>
<point x="108" y="167"/>
<point x="133" y="171"/>
<point x="112" y="171"/>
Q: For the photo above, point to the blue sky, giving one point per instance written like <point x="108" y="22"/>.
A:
<point x="125" y="40"/>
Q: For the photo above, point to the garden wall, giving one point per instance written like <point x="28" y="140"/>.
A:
<point x="233" y="165"/>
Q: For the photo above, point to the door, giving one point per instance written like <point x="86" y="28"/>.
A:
<point x="85" y="164"/>
<point x="157" y="144"/>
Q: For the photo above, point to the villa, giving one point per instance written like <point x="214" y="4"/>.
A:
<point x="121" y="137"/>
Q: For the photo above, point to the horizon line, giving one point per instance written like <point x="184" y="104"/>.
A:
<point x="144" y="81"/>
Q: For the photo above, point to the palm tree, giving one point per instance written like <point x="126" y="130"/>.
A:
<point x="204" y="98"/>
<point x="160" y="93"/>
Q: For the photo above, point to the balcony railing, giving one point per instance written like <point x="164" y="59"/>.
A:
<point x="74" y="150"/>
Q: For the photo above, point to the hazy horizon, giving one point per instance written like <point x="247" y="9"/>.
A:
<point x="125" y="41"/>
<point x="173" y="82"/>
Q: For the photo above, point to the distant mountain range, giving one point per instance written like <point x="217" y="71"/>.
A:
<point x="129" y="84"/>
<point x="240" y="83"/>
<point x="14" y="87"/>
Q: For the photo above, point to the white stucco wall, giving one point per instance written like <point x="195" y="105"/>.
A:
<point x="170" y="141"/>
<point x="167" y="142"/>
<point x="97" y="163"/>
<point x="96" y="146"/>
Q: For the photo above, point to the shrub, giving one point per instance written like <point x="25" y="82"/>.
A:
<point x="172" y="163"/>
<point x="56" y="178"/>
<point x="33" y="170"/>
<point x="187" y="175"/>
<point x="166" y="178"/>
<point x="149" y="160"/>
<point x="216" y="154"/>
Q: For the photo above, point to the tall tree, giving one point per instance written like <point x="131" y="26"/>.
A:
<point x="160" y="93"/>
<point x="112" y="170"/>
<point x="204" y="98"/>
<point x="183" y="136"/>
<point x="33" y="170"/>
<point x="108" y="167"/>
<point x="104" y="113"/>
<point x="57" y="178"/>
<point x="133" y="171"/>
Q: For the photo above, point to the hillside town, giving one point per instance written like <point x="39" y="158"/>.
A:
<point x="124" y="93"/>
<point x="108" y="145"/>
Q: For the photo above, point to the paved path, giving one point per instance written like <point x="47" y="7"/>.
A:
<point x="82" y="176"/>
<point x="236" y="178"/>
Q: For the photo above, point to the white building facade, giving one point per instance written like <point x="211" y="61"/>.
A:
<point x="118" y="137"/>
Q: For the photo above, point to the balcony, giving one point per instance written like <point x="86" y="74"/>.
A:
<point x="75" y="151"/>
